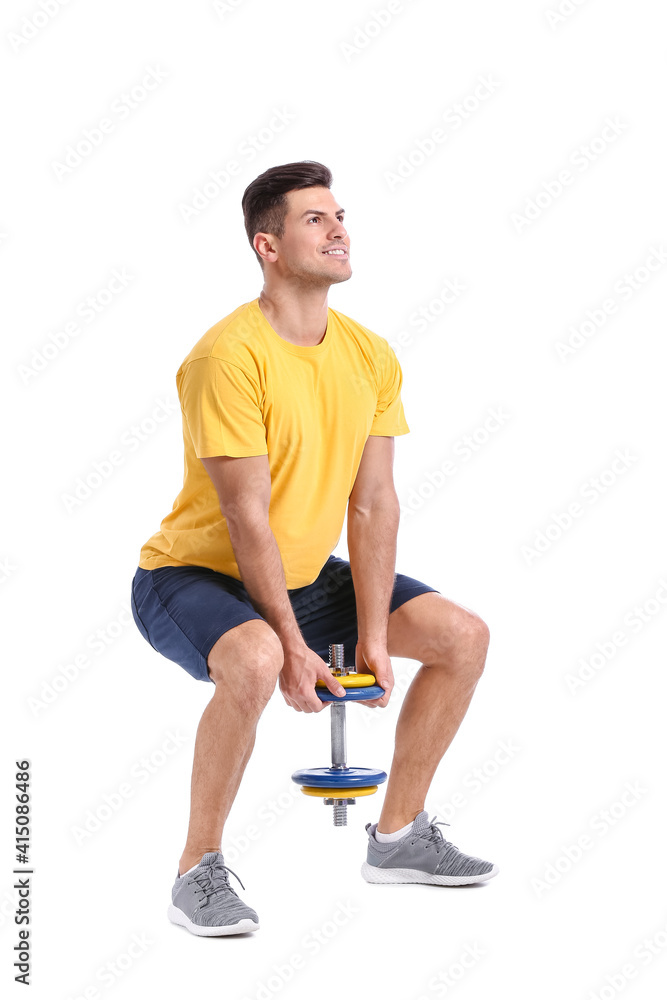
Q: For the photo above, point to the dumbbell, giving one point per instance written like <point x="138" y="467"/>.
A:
<point x="340" y="785"/>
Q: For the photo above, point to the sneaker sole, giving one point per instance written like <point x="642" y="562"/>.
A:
<point x="242" y="927"/>
<point x="405" y="876"/>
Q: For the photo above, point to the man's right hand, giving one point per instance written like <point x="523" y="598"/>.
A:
<point x="301" y="669"/>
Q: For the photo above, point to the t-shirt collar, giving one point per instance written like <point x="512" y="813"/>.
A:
<point x="286" y="345"/>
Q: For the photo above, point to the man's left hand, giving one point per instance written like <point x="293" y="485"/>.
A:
<point x="373" y="658"/>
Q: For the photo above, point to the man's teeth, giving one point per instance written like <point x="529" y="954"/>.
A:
<point x="335" y="251"/>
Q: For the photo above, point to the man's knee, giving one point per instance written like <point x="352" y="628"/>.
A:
<point x="472" y="642"/>
<point x="246" y="660"/>
<point x="462" y="644"/>
<point x="476" y="631"/>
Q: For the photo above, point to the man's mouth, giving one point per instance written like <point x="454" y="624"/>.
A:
<point x="336" y="252"/>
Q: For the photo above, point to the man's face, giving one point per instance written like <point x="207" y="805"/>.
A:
<point x="313" y="229"/>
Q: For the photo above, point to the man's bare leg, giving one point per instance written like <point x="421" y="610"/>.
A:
<point x="451" y="643"/>
<point x="244" y="665"/>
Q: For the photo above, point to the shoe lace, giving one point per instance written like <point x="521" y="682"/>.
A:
<point x="213" y="879"/>
<point x="433" y="835"/>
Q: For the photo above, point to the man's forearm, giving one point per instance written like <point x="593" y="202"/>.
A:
<point x="258" y="558"/>
<point x="371" y="542"/>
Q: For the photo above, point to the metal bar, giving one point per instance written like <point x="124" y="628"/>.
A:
<point x="338" y="736"/>
<point x="336" y="664"/>
<point x="338" y="733"/>
<point x="340" y="812"/>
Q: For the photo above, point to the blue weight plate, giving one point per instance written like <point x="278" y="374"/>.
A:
<point x="351" y="694"/>
<point x="329" y="777"/>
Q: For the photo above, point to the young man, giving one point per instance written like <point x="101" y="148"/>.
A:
<point x="289" y="413"/>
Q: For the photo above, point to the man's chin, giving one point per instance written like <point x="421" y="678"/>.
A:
<point x="323" y="279"/>
<point x="341" y="277"/>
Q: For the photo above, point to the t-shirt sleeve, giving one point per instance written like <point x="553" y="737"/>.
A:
<point x="389" y="419"/>
<point x="221" y="407"/>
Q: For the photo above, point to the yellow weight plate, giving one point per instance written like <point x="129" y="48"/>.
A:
<point x="338" y="793"/>
<point x="352" y="681"/>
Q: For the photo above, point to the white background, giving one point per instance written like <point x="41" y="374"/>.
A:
<point x="361" y="97"/>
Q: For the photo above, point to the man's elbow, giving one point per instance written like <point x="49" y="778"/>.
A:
<point x="383" y="502"/>
<point x="244" y="518"/>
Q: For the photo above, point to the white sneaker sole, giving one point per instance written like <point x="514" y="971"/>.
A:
<point x="404" y="876"/>
<point x="242" y="927"/>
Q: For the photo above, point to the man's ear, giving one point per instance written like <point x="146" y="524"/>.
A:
<point x="264" y="244"/>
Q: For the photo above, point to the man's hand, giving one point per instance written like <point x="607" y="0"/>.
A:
<point x="301" y="669"/>
<point x="373" y="658"/>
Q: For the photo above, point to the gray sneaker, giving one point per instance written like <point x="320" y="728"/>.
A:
<point x="423" y="855"/>
<point x="205" y="903"/>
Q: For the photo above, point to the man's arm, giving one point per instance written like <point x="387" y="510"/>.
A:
<point x="372" y="526"/>
<point x="243" y="486"/>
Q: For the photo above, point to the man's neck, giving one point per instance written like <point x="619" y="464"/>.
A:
<point x="300" y="318"/>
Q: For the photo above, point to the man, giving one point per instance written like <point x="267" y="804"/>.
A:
<point x="289" y="413"/>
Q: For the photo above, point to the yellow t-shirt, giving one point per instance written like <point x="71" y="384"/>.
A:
<point x="245" y="390"/>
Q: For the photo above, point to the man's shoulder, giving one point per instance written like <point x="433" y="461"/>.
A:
<point x="373" y="342"/>
<point x="227" y="340"/>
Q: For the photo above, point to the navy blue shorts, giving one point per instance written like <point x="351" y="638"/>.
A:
<point x="183" y="610"/>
